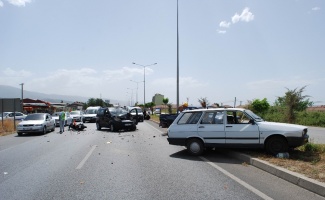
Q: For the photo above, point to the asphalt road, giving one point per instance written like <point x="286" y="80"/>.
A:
<point x="128" y="165"/>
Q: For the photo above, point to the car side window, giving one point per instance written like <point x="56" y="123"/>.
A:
<point x="190" y="118"/>
<point x="213" y="117"/>
<point x="237" y="117"/>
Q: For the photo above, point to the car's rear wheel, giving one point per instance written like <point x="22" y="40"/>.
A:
<point x="276" y="145"/>
<point x="98" y="126"/>
<point x="195" y="147"/>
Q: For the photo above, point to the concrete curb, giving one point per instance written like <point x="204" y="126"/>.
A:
<point x="293" y="177"/>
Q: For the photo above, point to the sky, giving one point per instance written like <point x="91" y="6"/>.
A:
<point x="230" y="52"/>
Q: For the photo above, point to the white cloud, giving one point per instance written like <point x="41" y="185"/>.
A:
<point x="12" y="73"/>
<point x="1" y="4"/>
<point x="19" y="2"/>
<point x="315" y="8"/>
<point x="222" y="31"/>
<point x="245" y="16"/>
<point x="224" y="24"/>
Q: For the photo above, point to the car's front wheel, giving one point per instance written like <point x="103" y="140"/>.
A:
<point x="113" y="128"/>
<point x="19" y="133"/>
<point x="276" y="145"/>
<point x="195" y="147"/>
<point x="44" y="130"/>
<point x="98" y="126"/>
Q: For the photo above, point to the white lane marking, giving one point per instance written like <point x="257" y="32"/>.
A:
<point x="154" y="128"/>
<point x="86" y="157"/>
<point x="246" y="185"/>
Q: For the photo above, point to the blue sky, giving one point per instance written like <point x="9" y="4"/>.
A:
<point x="227" y="49"/>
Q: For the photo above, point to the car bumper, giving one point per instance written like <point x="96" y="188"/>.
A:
<point x="177" y="141"/>
<point x="297" y="141"/>
<point x="30" y="129"/>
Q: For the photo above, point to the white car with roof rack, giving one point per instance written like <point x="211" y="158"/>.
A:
<point x="233" y="128"/>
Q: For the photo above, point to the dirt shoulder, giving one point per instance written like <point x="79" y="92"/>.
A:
<point x="308" y="163"/>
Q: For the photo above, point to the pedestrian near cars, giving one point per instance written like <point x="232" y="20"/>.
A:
<point x="61" y="120"/>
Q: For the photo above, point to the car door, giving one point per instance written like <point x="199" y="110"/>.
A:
<point x="211" y="128"/>
<point x="239" y="130"/>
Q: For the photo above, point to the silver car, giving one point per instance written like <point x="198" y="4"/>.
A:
<point x="12" y="115"/>
<point x="77" y="115"/>
<point x="36" y="123"/>
<point x="67" y="121"/>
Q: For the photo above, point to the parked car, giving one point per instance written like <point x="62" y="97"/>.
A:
<point x="67" y="121"/>
<point x="233" y="128"/>
<point x="116" y="119"/>
<point x="77" y="115"/>
<point x="165" y="120"/>
<point x="136" y="110"/>
<point x="36" y="122"/>
<point x="90" y="114"/>
<point x="12" y="115"/>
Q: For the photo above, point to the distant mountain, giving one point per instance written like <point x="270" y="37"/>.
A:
<point x="13" y="92"/>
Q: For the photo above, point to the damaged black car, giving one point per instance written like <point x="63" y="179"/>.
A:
<point x="116" y="119"/>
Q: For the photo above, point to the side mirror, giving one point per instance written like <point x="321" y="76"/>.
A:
<point x="251" y="121"/>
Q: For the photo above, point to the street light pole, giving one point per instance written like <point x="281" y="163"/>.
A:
<point x="144" y="81"/>
<point x="131" y="104"/>
<point x="177" y="82"/>
<point x="137" y="89"/>
<point x="22" y="97"/>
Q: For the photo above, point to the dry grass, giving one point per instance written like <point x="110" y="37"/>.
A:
<point x="308" y="160"/>
<point x="7" y="127"/>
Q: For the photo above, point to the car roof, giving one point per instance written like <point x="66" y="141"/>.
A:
<point x="215" y="109"/>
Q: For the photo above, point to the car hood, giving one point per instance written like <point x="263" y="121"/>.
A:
<point x="275" y="126"/>
<point x="31" y="122"/>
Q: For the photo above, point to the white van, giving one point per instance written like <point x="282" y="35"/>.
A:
<point x="90" y="114"/>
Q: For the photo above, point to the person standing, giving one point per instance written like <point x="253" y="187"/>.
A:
<point x="61" y="120"/>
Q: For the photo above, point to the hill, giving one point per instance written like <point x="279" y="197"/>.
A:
<point x="13" y="92"/>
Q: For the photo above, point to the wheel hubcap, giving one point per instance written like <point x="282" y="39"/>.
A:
<point x="195" y="147"/>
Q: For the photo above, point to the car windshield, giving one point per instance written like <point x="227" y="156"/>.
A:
<point x="91" y="111"/>
<point x="56" y="114"/>
<point x="254" y="116"/>
<point x="34" y="117"/>
<point x="75" y="112"/>
<point x="117" y="111"/>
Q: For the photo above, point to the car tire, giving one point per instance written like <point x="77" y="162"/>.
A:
<point x="113" y="128"/>
<point x="19" y="133"/>
<point x="98" y="126"/>
<point x="44" y="130"/>
<point x="83" y="121"/>
<point x="195" y="147"/>
<point x="276" y="145"/>
<point x="134" y="127"/>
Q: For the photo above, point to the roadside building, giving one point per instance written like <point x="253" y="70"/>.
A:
<point x="158" y="99"/>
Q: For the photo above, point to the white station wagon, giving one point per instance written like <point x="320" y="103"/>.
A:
<point x="233" y="128"/>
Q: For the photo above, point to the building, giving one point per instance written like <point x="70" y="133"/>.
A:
<point x="158" y="99"/>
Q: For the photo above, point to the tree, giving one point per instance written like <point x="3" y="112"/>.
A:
<point x="165" y="101"/>
<point x="260" y="106"/>
<point x="293" y="101"/>
<point x="204" y="102"/>
<point x="170" y="108"/>
<point x="150" y="105"/>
